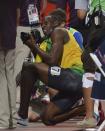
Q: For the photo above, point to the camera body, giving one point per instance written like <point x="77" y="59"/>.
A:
<point x="35" y="33"/>
<point x="94" y="18"/>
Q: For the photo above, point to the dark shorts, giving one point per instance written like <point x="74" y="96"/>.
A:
<point x="98" y="90"/>
<point x="69" y="85"/>
<point x="65" y="102"/>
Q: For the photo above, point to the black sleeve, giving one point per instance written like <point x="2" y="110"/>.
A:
<point x="87" y="61"/>
<point x="20" y="3"/>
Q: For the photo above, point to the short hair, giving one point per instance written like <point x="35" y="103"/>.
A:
<point x="59" y="15"/>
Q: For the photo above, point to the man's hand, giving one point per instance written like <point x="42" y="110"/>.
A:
<point x="31" y="42"/>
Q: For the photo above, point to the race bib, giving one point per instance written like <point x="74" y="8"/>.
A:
<point x="55" y="71"/>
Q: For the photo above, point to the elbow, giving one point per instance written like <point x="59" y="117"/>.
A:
<point x="52" y="62"/>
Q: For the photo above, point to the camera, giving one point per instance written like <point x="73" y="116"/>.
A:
<point x="35" y="33"/>
<point x="94" y="18"/>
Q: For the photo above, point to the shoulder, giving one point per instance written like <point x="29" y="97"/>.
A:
<point x="61" y="34"/>
<point x="60" y="31"/>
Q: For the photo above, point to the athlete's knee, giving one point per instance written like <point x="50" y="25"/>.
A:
<point x="27" y="68"/>
<point x="26" y="73"/>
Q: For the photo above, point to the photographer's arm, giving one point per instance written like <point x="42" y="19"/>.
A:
<point x="18" y="16"/>
<point x="43" y="6"/>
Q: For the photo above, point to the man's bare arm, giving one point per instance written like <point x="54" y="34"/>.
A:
<point x="55" y="55"/>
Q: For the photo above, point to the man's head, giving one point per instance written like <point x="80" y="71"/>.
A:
<point x="56" y="18"/>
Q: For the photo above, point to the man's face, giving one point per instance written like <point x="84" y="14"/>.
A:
<point x="48" y="25"/>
